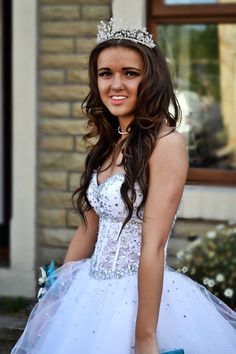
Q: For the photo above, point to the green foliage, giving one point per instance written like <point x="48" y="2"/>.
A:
<point x="211" y="261"/>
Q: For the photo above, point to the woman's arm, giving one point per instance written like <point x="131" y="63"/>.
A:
<point x="168" y="171"/>
<point x="84" y="239"/>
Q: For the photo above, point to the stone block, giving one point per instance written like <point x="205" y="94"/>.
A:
<point x="63" y="92"/>
<point x="76" y="110"/>
<point x="51" y="217"/>
<point x="56" y="143"/>
<point x="65" y="29"/>
<point x="56" y="45"/>
<point x="77" y="76"/>
<point x="61" y="161"/>
<point x="62" y="126"/>
<point x="80" y="144"/>
<point x="73" y="219"/>
<point x="54" y="237"/>
<point x="63" y="61"/>
<point x="51" y="76"/>
<point x="52" y="180"/>
<point x="72" y="2"/>
<point x="60" y="12"/>
<point x="55" y="199"/>
<point x="54" y="109"/>
<point x="74" y="181"/>
<point x="93" y="12"/>
<point x="85" y="45"/>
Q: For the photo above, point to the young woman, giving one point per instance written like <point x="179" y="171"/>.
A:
<point x="115" y="294"/>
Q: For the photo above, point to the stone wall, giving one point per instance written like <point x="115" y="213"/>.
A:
<point x="67" y="33"/>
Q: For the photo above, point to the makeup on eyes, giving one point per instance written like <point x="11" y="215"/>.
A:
<point x="126" y="70"/>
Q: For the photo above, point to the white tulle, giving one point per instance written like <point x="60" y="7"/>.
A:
<point x="92" y="306"/>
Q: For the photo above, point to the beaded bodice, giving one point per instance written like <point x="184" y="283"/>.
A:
<point x="116" y="253"/>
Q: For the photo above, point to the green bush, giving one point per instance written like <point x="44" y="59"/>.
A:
<point x="211" y="260"/>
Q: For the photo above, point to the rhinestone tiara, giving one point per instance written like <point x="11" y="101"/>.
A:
<point x="123" y="29"/>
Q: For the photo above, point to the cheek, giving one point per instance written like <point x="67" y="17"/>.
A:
<point x="134" y="90"/>
<point x="101" y="88"/>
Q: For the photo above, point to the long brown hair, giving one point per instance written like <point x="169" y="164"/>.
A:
<point x="155" y="97"/>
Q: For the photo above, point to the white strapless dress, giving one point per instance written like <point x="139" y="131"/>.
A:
<point x="91" y="308"/>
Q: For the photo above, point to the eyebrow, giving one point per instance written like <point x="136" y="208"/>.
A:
<point x="126" y="68"/>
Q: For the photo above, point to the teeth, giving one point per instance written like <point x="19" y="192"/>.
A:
<point x="119" y="97"/>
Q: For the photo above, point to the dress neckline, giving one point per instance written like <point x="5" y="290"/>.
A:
<point x="107" y="179"/>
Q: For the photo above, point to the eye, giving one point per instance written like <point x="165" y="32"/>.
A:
<point x="131" y="73"/>
<point x="104" y="73"/>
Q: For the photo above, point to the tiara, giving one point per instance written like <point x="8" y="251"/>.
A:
<point x="122" y="29"/>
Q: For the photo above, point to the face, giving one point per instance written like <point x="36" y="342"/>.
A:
<point x="120" y="71"/>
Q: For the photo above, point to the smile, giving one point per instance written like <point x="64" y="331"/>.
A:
<point x="118" y="98"/>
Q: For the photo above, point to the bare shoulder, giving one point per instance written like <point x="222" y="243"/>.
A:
<point x="169" y="135"/>
<point x="170" y="144"/>
<point x="172" y="136"/>
<point x="170" y="152"/>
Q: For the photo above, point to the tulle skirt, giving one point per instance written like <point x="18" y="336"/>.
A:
<point x="82" y="315"/>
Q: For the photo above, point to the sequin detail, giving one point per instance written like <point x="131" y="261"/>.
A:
<point x="109" y="217"/>
<point x="117" y="252"/>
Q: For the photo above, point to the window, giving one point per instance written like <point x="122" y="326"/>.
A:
<point x="199" y="44"/>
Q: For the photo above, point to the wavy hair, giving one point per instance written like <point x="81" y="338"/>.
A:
<point x="155" y="97"/>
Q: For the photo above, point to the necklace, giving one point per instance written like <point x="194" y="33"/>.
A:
<point x="122" y="133"/>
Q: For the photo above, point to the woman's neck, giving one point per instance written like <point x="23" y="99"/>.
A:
<point x="124" y="122"/>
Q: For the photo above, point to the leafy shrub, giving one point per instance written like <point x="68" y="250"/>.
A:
<point x="211" y="260"/>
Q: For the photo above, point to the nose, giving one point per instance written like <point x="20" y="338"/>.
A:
<point x="117" y="83"/>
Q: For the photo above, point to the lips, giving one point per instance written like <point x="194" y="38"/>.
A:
<point x="118" y="99"/>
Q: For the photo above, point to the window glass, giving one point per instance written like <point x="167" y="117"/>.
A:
<point x="202" y="60"/>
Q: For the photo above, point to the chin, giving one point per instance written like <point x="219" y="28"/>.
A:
<point x="118" y="112"/>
